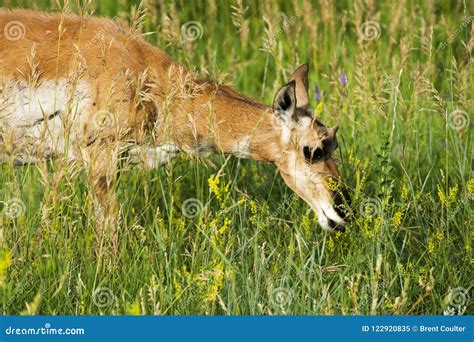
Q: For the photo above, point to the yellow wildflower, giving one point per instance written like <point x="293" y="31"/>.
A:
<point x="133" y="309"/>
<point x="217" y="279"/>
<point x="441" y="195"/>
<point x="213" y="223"/>
<point x="224" y="227"/>
<point x="5" y="262"/>
<point x="331" y="184"/>
<point x="330" y="245"/>
<point x="177" y="285"/>
<point x="468" y="247"/>
<point x="431" y="247"/>
<point x="470" y="186"/>
<point x="447" y="200"/>
<point x="452" y="194"/>
<point x="397" y="218"/>
<point x="404" y="192"/>
<point x="216" y="187"/>
<point x="213" y="182"/>
<point x="305" y="227"/>
<point x="319" y="109"/>
<point x="253" y="207"/>
<point x="367" y="227"/>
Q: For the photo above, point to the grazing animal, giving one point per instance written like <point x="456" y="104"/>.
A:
<point x="88" y="89"/>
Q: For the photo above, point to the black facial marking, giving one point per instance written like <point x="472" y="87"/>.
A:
<point x="329" y="145"/>
<point x="307" y="153"/>
<point x="334" y="225"/>
<point x="318" y="153"/>
<point x="315" y="156"/>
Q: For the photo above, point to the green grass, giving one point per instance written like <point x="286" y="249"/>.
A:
<point x="255" y="249"/>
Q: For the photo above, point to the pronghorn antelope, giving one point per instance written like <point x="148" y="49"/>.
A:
<point x="88" y="89"/>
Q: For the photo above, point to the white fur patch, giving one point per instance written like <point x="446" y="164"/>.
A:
<point x="36" y="116"/>
<point x="23" y="105"/>
<point x="305" y="122"/>
<point x="284" y="126"/>
<point x="241" y="148"/>
<point x="285" y="134"/>
<point x="153" y="157"/>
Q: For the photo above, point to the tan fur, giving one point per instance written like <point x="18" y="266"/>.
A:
<point x="153" y="100"/>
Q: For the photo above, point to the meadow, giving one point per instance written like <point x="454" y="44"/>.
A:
<point x="225" y="236"/>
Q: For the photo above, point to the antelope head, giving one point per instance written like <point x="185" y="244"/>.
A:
<point x="307" y="145"/>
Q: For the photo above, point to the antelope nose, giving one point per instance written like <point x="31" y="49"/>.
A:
<point x="336" y="227"/>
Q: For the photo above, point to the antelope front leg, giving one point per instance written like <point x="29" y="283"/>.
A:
<point x="102" y="169"/>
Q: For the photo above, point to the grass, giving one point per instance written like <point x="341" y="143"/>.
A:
<point x="253" y="248"/>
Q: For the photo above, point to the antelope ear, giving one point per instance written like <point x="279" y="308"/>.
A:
<point x="300" y="76"/>
<point x="284" y="104"/>
<point x="332" y="132"/>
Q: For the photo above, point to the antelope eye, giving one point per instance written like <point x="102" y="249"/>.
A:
<point x="318" y="153"/>
<point x="313" y="156"/>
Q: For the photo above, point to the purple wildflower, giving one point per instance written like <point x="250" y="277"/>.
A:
<point x="343" y="79"/>
<point x="317" y="93"/>
<point x="446" y="95"/>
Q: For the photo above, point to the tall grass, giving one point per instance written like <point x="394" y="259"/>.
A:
<point x="253" y="247"/>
